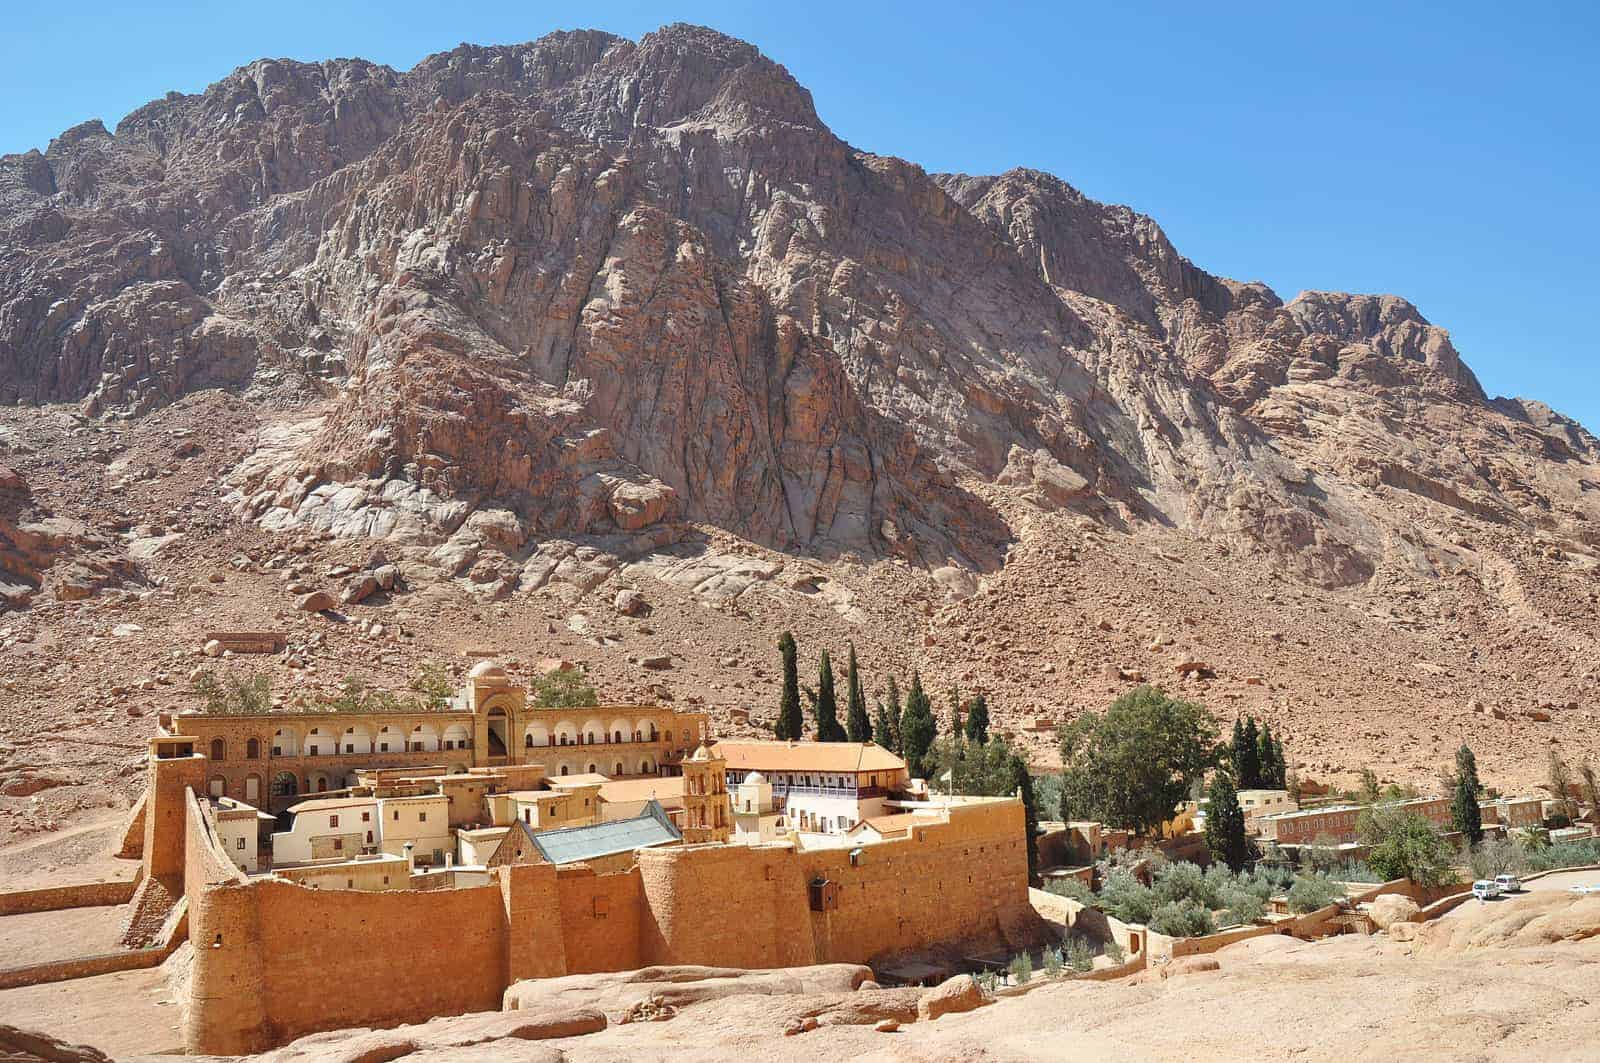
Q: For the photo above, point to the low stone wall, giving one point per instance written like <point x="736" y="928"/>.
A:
<point x="56" y="898"/>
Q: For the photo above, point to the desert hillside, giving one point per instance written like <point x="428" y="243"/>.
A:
<point x="544" y="322"/>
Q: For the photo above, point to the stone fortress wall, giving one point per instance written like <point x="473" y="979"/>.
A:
<point x="274" y="960"/>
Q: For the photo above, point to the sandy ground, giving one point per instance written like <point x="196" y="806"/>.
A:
<point x="80" y="853"/>
<point x="38" y="937"/>
<point x="122" y="1014"/>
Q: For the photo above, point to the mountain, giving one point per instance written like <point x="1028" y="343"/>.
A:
<point x="557" y="318"/>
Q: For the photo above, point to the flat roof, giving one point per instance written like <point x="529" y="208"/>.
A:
<point x="667" y="789"/>
<point x="583" y="778"/>
<point x="319" y="804"/>
<point x="898" y="824"/>
<point x="843" y="757"/>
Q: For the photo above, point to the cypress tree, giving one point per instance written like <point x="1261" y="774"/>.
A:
<point x="1467" y="767"/>
<point x="896" y="710"/>
<point x="790" y="723"/>
<point x="1268" y="768"/>
<point x="956" y="731"/>
<point x="1281" y="782"/>
<point x="826" y="705"/>
<point x="1248" y="756"/>
<point x="1236" y="749"/>
<point x="856" y="724"/>
<point x="917" y="727"/>
<point x="978" y="720"/>
<point x="1021" y="780"/>
<point x="1465" y="814"/>
<point x="1464" y="811"/>
<point x="1225" y="823"/>
<point x="882" y="733"/>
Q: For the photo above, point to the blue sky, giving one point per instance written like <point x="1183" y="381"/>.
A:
<point x="1449" y="153"/>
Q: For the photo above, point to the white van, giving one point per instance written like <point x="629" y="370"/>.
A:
<point x="1485" y="889"/>
<point x="1508" y="883"/>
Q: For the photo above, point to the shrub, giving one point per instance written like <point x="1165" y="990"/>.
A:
<point x="1185" y="882"/>
<point x="1311" y="892"/>
<point x="1243" y="908"/>
<point x="1564" y="854"/>
<point x="1052" y="963"/>
<point x="1116" y="953"/>
<point x="1126" y="898"/>
<point x="988" y="981"/>
<point x="1074" y="890"/>
<point x="1080" y="957"/>
<point x="234" y="696"/>
<point x="1181" y="919"/>
<point x="1021" y="969"/>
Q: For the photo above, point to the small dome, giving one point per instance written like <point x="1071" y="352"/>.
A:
<point x="486" y="669"/>
<point x="755" y="778"/>
<point x="701" y="754"/>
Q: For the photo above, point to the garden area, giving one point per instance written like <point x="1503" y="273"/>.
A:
<point x="1184" y="900"/>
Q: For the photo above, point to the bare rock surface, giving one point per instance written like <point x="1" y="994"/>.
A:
<point x="553" y="321"/>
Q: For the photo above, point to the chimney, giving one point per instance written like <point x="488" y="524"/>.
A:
<point x="411" y="860"/>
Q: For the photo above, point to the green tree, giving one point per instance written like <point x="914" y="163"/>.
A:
<point x="957" y="732"/>
<point x="978" y="720"/>
<point x="1225" y="834"/>
<point x="1247" y="756"/>
<point x="881" y="732"/>
<point x="1467" y="768"/>
<point x="894" y="710"/>
<point x="234" y="696"/>
<point x="1403" y="844"/>
<point x="1464" y="811"/>
<point x="1591" y="786"/>
<point x="1131" y="765"/>
<point x="856" y="725"/>
<point x="1370" y="793"/>
<point x="917" y="728"/>
<point x="563" y="689"/>
<point x="433" y="683"/>
<point x="825" y="704"/>
<point x="1281" y="764"/>
<point x="790" y="724"/>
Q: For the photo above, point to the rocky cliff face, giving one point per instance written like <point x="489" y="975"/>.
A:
<point x="596" y="295"/>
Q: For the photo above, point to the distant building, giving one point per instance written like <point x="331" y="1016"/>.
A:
<point x="756" y="818"/>
<point x="819" y="787"/>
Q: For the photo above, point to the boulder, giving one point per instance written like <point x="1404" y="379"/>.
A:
<point x="658" y="663"/>
<point x="887" y="1026"/>
<point x="630" y="602"/>
<point x="361" y="588"/>
<point x="213" y="648"/>
<point x="1391" y="908"/>
<point x="316" y="602"/>
<point x="387" y="576"/>
<point x="958" y="994"/>
<point x="17" y="1043"/>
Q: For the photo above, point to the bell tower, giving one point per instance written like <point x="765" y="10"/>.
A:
<point x="707" y="811"/>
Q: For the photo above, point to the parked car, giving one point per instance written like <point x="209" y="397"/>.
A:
<point x="1485" y="889"/>
<point x="1508" y="883"/>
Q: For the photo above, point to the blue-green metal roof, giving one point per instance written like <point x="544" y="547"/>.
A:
<point x="571" y="845"/>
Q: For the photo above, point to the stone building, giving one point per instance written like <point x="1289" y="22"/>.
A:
<point x="271" y="760"/>
<point x="707" y="813"/>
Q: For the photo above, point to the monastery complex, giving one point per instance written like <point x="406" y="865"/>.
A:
<point x="511" y="841"/>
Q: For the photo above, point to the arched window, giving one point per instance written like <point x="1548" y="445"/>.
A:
<point x="527" y="741"/>
<point x="252" y="749"/>
<point x="219" y="749"/>
<point x="563" y="769"/>
<point x="617" y="768"/>
<point x="284" y="784"/>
